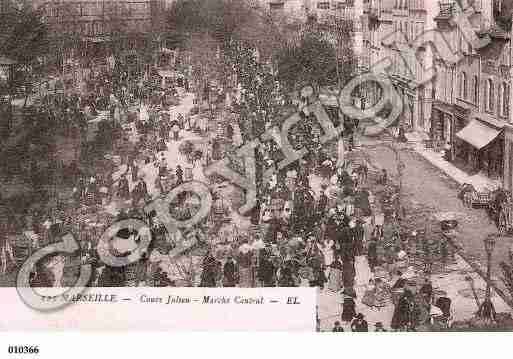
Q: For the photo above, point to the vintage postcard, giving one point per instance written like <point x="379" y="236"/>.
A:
<point x="256" y="165"/>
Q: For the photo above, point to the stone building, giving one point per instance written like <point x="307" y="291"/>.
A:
<point x="98" y="18"/>
<point x="388" y="27"/>
<point x="471" y="111"/>
<point x="464" y="104"/>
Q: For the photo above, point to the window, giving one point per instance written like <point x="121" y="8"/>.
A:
<point x="475" y="86"/>
<point x="323" y="5"/>
<point x="465" y="86"/>
<point x="504" y="99"/>
<point x="446" y="84"/>
<point x="490" y="96"/>
<point x="463" y="83"/>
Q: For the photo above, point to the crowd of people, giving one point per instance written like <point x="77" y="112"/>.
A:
<point x="330" y="220"/>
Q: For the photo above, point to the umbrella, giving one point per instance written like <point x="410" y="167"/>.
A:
<point x="447" y="216"/>
<point x="259" y="244"/>
<point x="245" y="248"/>
<point x="435" y="311"/>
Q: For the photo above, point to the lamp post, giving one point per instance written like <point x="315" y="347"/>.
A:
<point x="489" y="244"/>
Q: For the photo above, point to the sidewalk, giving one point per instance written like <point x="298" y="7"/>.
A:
<point x="479" y="181"/>
<point x="456" y="282"/>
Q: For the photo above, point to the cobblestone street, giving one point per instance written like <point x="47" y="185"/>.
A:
<point x="424" y="184"/>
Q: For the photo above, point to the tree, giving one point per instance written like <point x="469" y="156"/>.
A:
<point x="321" y="56"/>
<point x="24" y="39"/>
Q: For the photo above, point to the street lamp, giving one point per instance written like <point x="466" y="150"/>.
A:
<point x="489" y="244"/>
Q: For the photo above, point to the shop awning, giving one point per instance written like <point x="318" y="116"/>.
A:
<point x="478" y="134"/>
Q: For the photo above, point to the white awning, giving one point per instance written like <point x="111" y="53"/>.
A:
<point x="478" y="134"/>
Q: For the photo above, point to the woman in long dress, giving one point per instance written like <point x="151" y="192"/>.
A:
<point x="327" y="250"/>
<point x="335" y="275"/>
<point x="363" y="272"/>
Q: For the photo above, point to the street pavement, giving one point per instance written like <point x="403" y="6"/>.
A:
<point x="455" y="281"/>
<point x="425" y="185"/>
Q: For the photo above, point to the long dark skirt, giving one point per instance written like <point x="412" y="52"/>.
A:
<point x="348" y="310"/>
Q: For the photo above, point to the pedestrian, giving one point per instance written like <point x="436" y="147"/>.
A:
<point x="162" y="166"/>
<point x="372" y="253"/>
<point x="337" y="328"/>
<point x="123" y="188"/>
<point x="179" y="175"/>
<point x="359" y="324"/>
<point x="378" y="327"/>
<point x="335" y="275"/>
<point x="176" y="131"/>
<point x="140" y="192"/>
<point x="384" y="177"/>
<point x="348" y="272"/>
<point x="402" y="317"/>
<point x="322" y="203"/>
<point x="230" y="273"/>
<point x="348" y="305"/>
<point x="135" y="171"/>
<point x="209" y="272"/>
<point x="181" y="121"/>
<point x="427" y="290"/>
<point x="266" y="270"/>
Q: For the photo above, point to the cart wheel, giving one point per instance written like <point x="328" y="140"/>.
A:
<point x="502" y="222"/>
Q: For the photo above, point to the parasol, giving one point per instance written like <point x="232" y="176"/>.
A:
<point x="410" y="273"/>
<point x="258" y="244"/>
<point x="447" y="216"/>
<point x="435" y="311"/>
<point x="245" y="248"/>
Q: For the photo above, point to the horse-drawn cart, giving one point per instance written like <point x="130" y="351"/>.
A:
<point x="477" y="199"/>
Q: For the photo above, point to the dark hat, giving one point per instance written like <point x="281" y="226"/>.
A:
<point x="378" y="325"/>
<point x="337" y="323"/>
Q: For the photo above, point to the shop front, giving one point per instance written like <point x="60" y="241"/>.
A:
<point x="442" y="127"/>
<point x="480" y="147"/>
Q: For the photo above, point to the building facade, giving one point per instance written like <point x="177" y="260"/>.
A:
<point x="465" y="107"/>
<point x="95" y="19"/>
<point x="471" y="111"/>
<point x="388" y="26"/>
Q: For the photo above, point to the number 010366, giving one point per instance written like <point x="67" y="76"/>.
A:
<point x="23" y="349"/>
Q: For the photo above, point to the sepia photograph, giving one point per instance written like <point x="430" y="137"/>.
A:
<point x="292" y="165"/>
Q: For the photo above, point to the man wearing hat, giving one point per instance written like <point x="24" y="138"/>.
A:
<point x="378" y="327"/>
<point x="359" y="324"/>
<point x="322" y="203"/>
<point x="337" y="328"/>
<point x="230" y="273"/>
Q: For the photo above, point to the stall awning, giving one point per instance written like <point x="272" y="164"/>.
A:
<point x="478" y="134"/>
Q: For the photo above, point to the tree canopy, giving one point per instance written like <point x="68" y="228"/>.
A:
<point x="23" y="34"/>
<point x="321" y="56"/>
